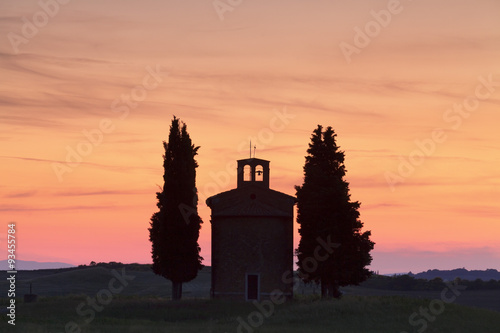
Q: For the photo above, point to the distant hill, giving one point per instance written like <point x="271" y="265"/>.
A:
<point x="32" y="265"/>
<point x="149" y="287"/>
<point x="462" y="273"/>
<point x="90" y="279"/>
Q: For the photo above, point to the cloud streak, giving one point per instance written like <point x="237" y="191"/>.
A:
<point x="116" y="168"/>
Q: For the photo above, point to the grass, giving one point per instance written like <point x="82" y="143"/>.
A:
<point x="152" y="314"/>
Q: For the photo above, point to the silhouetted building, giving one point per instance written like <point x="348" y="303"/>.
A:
<point x="252" y="236"/>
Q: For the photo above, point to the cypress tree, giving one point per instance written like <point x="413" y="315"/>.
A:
<point x="332" y="250"/>
<point x="175" y="228"/>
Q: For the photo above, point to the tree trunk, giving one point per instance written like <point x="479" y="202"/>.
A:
<point x="335" y="292"/>
<point x="324" y="290"/>
<point x="329" y="290"/>
<point x="176" y="291"/>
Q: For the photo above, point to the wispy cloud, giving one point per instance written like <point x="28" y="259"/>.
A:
<point x="115" y="168"/>
<point x="29" y="120"/>
<point x="382" y="206"/>
<point x="24" y="194"/>
<point x="30" y="159"/>
<point x="478" y="211"/>
<point x="78" y="192"/>
<point x="26" y="208"/>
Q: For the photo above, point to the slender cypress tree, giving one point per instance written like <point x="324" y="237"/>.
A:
<point x="176" y="226"/>
<point x="329" y="221"/>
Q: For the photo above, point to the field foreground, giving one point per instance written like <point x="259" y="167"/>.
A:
<point x="135" y="314"/>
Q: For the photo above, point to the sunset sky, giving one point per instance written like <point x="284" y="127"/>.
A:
<point x="412" y="88"/>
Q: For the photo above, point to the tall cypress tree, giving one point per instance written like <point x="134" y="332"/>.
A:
<point x="329" y="221"/>
<point x="176" y="226"/>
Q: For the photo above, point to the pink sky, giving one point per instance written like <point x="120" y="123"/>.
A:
<point x="270" y="72"/>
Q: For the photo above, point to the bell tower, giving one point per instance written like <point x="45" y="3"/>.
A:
<point x="253" y="171"/>
<point x="252" y="237"/>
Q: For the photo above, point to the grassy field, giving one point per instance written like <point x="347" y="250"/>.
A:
<point x="350" y="314"/>
<point x="144" y="306"/>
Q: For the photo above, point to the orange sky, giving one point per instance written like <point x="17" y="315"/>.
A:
<point x="270" y="71"/>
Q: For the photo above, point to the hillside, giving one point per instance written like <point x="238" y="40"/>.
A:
<point x="462" y="273"/>
<point x="88" y="280"/>
<point x="31" y="265"/>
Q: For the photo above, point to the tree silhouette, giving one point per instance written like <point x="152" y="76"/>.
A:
<point x="175" y="228"/>
<point x="332" y="250"/>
